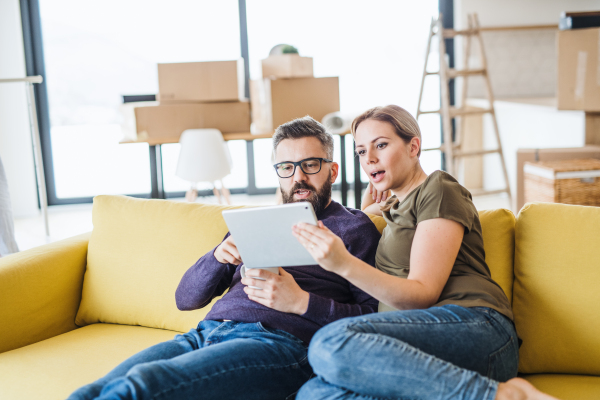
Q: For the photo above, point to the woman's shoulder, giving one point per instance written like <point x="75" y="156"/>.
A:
<point x="441" y="183"/>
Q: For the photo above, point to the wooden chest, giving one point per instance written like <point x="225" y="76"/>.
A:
<point x="565" y="181"/>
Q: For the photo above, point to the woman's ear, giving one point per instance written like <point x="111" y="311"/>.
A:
<point x="415" y="146"/>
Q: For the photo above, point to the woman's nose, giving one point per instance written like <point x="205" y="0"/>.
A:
<point x="371" y="157"/>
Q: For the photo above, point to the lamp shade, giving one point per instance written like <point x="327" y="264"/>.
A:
<point x="204" y="156"/>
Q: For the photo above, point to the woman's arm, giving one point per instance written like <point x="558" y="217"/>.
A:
<point x="435" y="247"/>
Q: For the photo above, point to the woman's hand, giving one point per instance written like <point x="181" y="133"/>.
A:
<point x="279" y="292"/>
<point x="377" y="197"/>
<point x="324" y="246"/>
<point x="373" y="199"/>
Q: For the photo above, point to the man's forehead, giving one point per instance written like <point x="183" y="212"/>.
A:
<point x="299" y="149"/>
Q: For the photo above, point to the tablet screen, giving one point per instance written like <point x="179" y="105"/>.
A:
<point x="263" y="235"/>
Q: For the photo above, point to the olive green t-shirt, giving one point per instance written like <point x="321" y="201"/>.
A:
<point x="440" y="196"/>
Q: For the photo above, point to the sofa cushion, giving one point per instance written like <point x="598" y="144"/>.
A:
<point x="567" y="387"/>
<point x="498" y="229"/>
<point x="556" y="300"/>
<point x="52" y="369"/>
<point x="138" y="252"/>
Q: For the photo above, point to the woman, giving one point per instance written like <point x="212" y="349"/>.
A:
<point x="449" y="332"/>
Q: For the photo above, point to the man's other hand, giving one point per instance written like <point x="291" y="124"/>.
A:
<point x="227" y="252"/>
<point x="279" y="292"/>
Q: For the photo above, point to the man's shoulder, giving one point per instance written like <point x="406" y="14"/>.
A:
<point x="349" y="220"/>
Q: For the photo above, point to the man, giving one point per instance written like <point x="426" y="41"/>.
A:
<point x="253" y="342"/>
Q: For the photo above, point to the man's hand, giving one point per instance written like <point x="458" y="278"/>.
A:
<point x="227" y="252"/>
<point x="279" y="292"/>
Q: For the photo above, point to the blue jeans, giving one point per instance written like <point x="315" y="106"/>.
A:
<point x="447" y="352"/>
<point x="219" y="360"/>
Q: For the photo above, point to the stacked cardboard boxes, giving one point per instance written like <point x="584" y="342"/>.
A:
<point x="288" y="90"/>
<point x="579" y="76"/>
<point x="193" y="96"/>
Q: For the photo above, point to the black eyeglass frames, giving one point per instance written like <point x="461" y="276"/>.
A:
<point x="309" y="166"/>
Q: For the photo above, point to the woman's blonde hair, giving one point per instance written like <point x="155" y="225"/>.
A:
<point x="404" y="124"/>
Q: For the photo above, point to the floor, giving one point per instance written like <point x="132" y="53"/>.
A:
<point x="67" y="221"/>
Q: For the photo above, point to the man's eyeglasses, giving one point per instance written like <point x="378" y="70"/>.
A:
<point x="309" y="166"/>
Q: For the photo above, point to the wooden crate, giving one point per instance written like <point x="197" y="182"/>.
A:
<point x="564" y="181"/>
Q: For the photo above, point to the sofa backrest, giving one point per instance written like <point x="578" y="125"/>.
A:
<point x="140" y="249"/>
<point x="556" y="299"/>
<point x="137" y="254"/>
<point x="498" y="229"/>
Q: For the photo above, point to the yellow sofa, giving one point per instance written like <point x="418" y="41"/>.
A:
<point x="72" y="310"/>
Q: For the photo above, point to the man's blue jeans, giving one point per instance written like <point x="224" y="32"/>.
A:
<point x="219" y="360"/>
<point x="447" y="352"/>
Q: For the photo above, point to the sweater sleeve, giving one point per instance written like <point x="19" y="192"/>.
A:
<point x="204" y="280"/>
<point x="362" y="243"/>
<point x="323" y="311"/>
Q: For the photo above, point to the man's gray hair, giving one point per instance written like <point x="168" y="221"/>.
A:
<point x="301" y="128"/>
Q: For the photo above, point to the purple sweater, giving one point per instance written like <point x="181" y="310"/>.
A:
<point x="331" y="296"/>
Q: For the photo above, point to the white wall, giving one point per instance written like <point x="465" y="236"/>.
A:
<point x="518" y="12"/>
<point x="15" y="138"/>
<point x="522" y="63"/>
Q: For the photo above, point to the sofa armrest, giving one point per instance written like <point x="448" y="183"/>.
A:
<point x="40" y="291"/>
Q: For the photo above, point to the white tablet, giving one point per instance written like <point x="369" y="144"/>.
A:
<point x="263" y="235"/>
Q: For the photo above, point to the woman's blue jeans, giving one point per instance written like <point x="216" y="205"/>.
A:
<point x="219" y="360"/>
<point x="447" y="352"/>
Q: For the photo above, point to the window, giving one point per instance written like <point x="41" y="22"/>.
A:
<point x="95" y="52"/>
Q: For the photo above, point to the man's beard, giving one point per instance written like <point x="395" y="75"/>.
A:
<point x="318" y="198"/>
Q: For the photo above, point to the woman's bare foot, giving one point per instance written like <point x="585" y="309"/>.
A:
<point x="520" y="389"/>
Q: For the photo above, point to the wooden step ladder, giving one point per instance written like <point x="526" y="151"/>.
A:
<point x="454" y="151"/>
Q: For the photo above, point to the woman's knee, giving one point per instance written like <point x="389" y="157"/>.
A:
<point x="332" y="348"/>
<point x="316" y="388"/>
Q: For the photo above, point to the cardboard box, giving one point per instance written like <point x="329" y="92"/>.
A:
<point x="579" y="70"/>
<point x="165" y="123"/>
<point x="277" y="101"/>
<point x="201" y="81"/>
<point x="532" y="155"/>
<point x="592" y="128"/>
<point x="287" y="66"/>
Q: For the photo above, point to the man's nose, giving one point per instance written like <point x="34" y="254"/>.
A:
<point x="299" y="175"/>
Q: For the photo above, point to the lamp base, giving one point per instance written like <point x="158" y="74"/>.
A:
<point x="191" y="195"/>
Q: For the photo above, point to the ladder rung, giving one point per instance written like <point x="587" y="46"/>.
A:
<point x="453" y="73"/>
<point x="450" y="33"/>
<point x="476" y="111"/>
<point x="432" y="73"/>
<point x="475" y="152"/>
<point x="441" y="148"/>
<point x="428" y="112"/>
<point x="483" y="192"/>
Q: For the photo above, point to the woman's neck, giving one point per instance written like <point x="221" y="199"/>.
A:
<point x="414" y="179"/>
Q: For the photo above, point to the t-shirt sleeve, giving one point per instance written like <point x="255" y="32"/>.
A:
<point x="444" y="197"/>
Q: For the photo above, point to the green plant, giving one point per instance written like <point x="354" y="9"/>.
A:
<point x="289" y="50"/>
